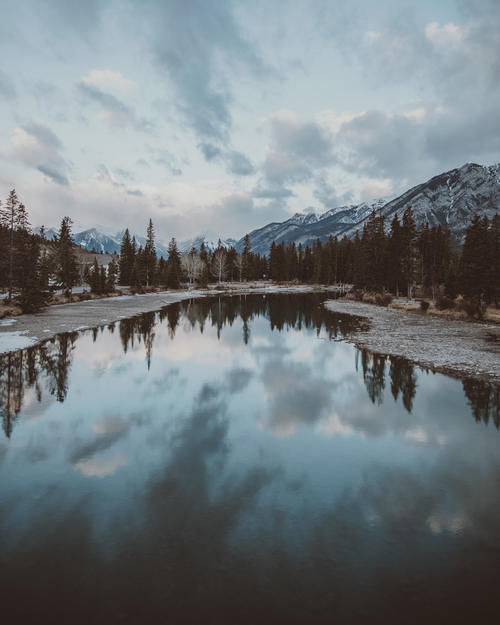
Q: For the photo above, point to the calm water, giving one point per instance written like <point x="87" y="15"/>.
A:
<point x="234" y="460"/>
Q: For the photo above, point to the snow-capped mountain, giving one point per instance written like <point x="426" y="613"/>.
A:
<point x="49" y="235"/>
<point x="92" y="239"/>
<point x="210" y="239"/>
<point x="305" y="228"/>
<point x="450" y="199"/>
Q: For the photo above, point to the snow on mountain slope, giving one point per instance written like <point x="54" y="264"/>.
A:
<point x="210" y="239"/>
<point x="449" y="199"/>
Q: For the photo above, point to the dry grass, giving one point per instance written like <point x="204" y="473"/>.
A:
<point x="11" y="309"/>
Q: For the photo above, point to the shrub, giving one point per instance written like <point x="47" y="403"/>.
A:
<point x="357" y="294"/>
<point x="444" y="303"/>
<point x="383" y="299"/>
<point x="473" y="308"/>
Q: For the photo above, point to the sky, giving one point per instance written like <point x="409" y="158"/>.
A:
<point x="224" y="115"/>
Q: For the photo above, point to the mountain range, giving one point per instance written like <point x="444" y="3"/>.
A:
<point x="450" y="199"/>
<point x="94" y="239"/>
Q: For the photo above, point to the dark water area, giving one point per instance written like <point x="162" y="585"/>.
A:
<point x="234" y="460"/>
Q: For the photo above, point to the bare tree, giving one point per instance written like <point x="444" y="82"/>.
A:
<point x="219" y="263"/>
<point x="193" y="266"/>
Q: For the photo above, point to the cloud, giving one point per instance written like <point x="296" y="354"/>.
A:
<point x="236" y="214"/>
<point x="113" y="110"/>
<point x="7" y="88"/>
<point x="272" y="193"/>
<point x="194" y="44"/>
<point x="235" y="162"/>
<point x="210" y="151"/>
<point x="377" y="188"/>
<point x="53" y="174"/>
<point x="328" y="196"/>
<point x="239" y="164"/>
<point x="446" y="34"/>
<point x="38" y="147"/>
<point x="297" y="149"/>
<point x="165" y="158"/>
<point x="105" y="79"/>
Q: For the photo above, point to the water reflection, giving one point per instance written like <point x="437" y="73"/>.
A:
<point x="51" y="360"/>
<point x="233" y="460"/>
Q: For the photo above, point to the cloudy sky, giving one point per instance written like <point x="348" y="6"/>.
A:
<point x="224" y="115"/>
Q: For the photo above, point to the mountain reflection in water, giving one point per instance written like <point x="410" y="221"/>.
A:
<point x="232" y="459"/>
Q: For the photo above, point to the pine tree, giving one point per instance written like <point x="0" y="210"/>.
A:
<point x="65" y="261"/>
<point x="93" y="277"/>
<point x="33" y="295"/>
<point x="246" y="259"/>
<point x="7" y="221"/>
<point x="150" y="256"/>
<point x="495" y="256"/>
<point x="126" y="262"/>
<point x="112" y="273"/>
<point x="408" y="249"/>
<point x="474" y="263"/>
<point x="173" y="265"/>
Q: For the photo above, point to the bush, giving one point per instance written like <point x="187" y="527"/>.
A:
<point x="424" y="305"/>
<point x="383" y="299"/>
<point x="473" y="308"/>
<point x="444" y="303"/>
<point x="357" y="294"/>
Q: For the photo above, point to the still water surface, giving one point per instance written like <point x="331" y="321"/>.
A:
<point x="234" y="460"/>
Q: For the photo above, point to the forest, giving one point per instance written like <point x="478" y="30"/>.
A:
<point x="399" y="260"/>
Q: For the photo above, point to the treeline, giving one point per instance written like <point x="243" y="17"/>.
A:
<point x="27" y="263"/>
<point x="399" y="259"/>
<point x="140" y="267"/>
<point x="395" y="259"/>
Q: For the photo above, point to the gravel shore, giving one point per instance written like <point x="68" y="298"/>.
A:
<point x="458" y="348"/>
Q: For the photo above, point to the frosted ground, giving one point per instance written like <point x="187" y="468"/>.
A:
<point x="458" y="348"/>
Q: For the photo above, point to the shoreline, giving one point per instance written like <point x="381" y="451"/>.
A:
<point x="461" y="349"/>
<point x="26" y="330"/>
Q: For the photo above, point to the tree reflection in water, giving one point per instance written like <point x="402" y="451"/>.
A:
<point x="51" y="360"/>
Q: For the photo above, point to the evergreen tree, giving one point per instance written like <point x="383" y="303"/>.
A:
<point x="33" y="295"/>
<point x="246" y="259"/>
<point x="408" y="249"/>
<point x="126" y="262"/>
<point x="475" y="260"/>
<point x="495" y="256"/>
<point x="230" y="261"/>
<point x="7" y="221"/>
<point x="140" y="267"/>
<point x="111" y="277"/>
<point x="66" y="267"/>
<point x="150" y="256"/>
<point x="173" y="265"/>
<point x="93" y="277"/>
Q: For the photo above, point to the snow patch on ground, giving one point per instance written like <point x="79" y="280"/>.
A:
<point x="7" y="322"/>
<point x="12" y="341"/>
<point x="453" y="347"/>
